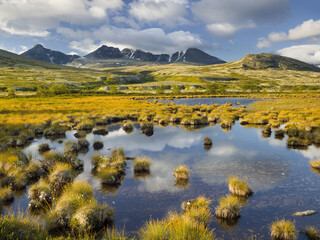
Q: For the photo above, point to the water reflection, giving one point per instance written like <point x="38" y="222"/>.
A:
<point x="275" y="173"/>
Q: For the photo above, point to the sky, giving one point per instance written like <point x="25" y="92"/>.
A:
<point x="228" y="29"/>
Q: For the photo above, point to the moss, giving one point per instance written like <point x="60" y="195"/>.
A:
<point x="239" y="187"/>
<point x="141" y="165"/>
<point x="283" y="230"/>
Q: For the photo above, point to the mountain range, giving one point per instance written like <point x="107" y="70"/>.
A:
<point x="191" y="55"/>
<point x="38" y="52"/>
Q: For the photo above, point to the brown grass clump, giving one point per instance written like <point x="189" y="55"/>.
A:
<point x="229" y="208"/>
<point x="239" y="187"/>
<point x="181" y="172"/>
<point x="315" y="163"/>
<point x="283" y="230"/>
<point x="312" y="233"/>
<point x="142" y="165"/>
<point x="207" y="141"/>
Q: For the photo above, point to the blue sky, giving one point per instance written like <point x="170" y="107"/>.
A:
<point x="228" y="29"/>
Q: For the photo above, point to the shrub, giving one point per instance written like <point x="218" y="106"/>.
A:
<point x="141" y="165"/>
<point x="182" y="172"/>
<point x="239" y="187"/>
<point x="283" y="230"/>
<point x="229" y="207"/>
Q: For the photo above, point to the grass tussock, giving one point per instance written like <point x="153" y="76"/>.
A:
<point x="312" y="233"/>
<point x="40" y="195"/>
<point x="6" y="194"/>
<point x="21" y="227"/>
<point x="110" y="170"/>
<point x="141" y="165"/>
<point x="191" y="224"/>
<point x="77" y="209"/>
<point x="60" y="176"/>
<point x="228" y="208"/>
<point x="181" y="172"/>
<point x="52" y="158"/>
<point x="315" y="164"/>
<point x="283" y="230"/>
<point x="207" y="141"/>
<point x="239" y="187"/>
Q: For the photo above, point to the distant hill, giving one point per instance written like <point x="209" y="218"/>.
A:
<point x="8" y="59"/>
<point x="129" y="57"/>
<point x="266" y="60"/>
<point x="40" y="53"/>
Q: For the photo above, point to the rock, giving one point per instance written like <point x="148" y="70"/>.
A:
<point x="97" y="145"/>
<point x="305" y="213"/>
<point x="101" y="132"/>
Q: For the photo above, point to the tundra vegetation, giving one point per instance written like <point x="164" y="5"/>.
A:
<point x="38" y="102"/>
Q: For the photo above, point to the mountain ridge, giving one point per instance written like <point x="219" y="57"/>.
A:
<point x="192" y="55"/>
<point x="262" y="61"/>
<point x="39" y="52"/>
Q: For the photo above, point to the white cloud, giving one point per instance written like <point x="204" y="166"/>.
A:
<point x="227" y="30"/>
<point x="167" y="12"/>
<point x="152" y="39"/>
<point x="226" y="17"/>
<point x="308" y="31"/>
<point x="305" y="53"/>
<point x="37" y="17"/>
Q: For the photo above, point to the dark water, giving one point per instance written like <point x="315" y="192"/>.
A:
<point x="208" y="101"/>
<point x="282" y="180"/>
